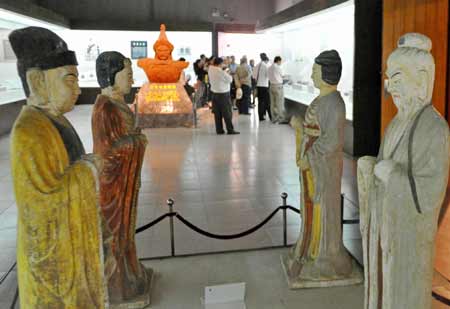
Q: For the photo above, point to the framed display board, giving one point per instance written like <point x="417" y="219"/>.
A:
<point x="138" y="49"/>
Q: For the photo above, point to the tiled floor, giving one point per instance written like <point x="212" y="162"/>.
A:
<point x="181" y="286"/>
<point x="223" y="184"/>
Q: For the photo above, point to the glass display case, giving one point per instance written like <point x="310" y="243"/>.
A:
<point x="88" y="44"/>
<point x="303" y="39"/>
<point x="250" y="45"/>
<point x="10" y="85"/>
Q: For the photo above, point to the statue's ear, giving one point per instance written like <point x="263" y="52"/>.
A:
<point x="36" y="84"/>
<point x="423" y="85"/>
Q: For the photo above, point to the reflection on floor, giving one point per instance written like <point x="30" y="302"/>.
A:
<point x="223" y="184"/>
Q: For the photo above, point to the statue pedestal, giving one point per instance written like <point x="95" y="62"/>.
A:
<point x="164" y="105"/>
<point x="356" y="277"/>
<point x="143" y="301"/>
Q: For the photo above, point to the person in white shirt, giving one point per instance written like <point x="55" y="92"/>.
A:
<point x="260" y="73"/>
<point x="220" y="82"/>
<point x="276" y="92"/>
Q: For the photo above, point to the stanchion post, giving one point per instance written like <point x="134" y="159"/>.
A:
<point x="170" y="203"/>
<point x="342" y="212"/>
<point x="194" y="112"/>
<point x="284" y="196"/>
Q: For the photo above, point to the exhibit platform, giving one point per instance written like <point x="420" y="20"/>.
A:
<point x="164" y="105"/>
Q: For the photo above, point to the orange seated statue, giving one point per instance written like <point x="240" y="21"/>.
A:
<point x="162" y="69"/>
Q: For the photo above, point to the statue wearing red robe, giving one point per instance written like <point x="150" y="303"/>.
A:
<point x="122" y="147"/>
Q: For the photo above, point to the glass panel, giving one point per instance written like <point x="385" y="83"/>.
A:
<point x="10" y="84"/>
<point x="87" y="44"/>
<point x="251" y="45"/>
<point x="303" y="39"/>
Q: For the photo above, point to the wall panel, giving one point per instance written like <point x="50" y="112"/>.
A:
<point x="429" y="17"/>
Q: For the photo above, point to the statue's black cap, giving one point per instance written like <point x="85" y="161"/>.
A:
<point x="107" y="65"/>
<point x="331" y="64"/>
<point x="37" y="47"/>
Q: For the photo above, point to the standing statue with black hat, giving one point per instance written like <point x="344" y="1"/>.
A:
<point x="319" y="258"/>
<point x="59" y="237"/>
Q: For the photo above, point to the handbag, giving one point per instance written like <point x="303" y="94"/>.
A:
<point x="239" y="94"/>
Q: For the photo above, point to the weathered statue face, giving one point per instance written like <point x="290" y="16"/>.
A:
<point x="55" y="90"/>
<point x="399" y="83"/>
<point x="124" y="79"/>
<point x="163" y="52"/>
<point x="316" y="76"/>
<point x="406" y="85"/>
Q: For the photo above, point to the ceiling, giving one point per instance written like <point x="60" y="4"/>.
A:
<point x="180" y="11"/>
<point x="191" y="15"/>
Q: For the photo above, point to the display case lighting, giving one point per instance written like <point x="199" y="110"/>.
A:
<point x="335" y="12"/>
<point x="215" y="13"/>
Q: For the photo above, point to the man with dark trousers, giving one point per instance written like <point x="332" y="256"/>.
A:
<point x="220" y="82"/>
<point x="261" y="75"/>
<point x="242" y="79"/>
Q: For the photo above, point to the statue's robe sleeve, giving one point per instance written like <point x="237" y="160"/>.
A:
<point x="59" y="251"/>
<point x="122" y="149"/>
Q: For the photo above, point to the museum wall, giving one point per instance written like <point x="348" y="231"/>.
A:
<point x="429" y="17"/>
<point x="251" y="45"/>
<point x="443" y="239"/>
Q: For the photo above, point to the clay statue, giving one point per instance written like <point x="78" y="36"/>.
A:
<point x="59" y="239"/>
<point x="120" y="143"/>
<point x="163" y="100"/>
<point x="162" y="69"/>
<point x="319" y="258"/>
<point x="402" y="190"/>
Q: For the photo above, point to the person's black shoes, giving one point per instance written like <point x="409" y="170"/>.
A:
<point x="220" y="133"/>
<point x="233" y="132"/>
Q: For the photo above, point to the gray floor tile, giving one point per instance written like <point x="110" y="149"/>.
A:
<point x="224" y="184"/>
<point x="266" y="286"/>
<point x="8" y="290"/>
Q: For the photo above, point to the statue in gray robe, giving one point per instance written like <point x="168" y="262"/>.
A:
<point x="319" y="258"/>
<point x="402" y="190"/>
